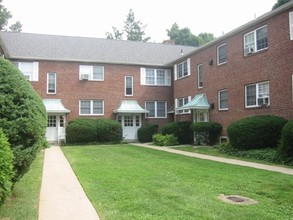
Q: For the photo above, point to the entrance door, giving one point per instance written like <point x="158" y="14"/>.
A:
<point x="130" y="124"/>
<point x="55" y="128"/>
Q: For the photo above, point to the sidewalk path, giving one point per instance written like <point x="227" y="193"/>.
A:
<point x="220" y="159"/>
<point x="62" y="197"/>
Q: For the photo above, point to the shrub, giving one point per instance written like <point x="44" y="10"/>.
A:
<point x="81" y="130"/>
<point x="165" y="140"/>
<point x="108" y="130"/>
<point x="85" y="130"/>
<point x="285" y="148"/>
<point x="6" y="168"/>
<point x="181" y="130"/>
<point x="145" y="133"/>
<point x="256" y="132"/>
<point x="206" y="132"/>
<point x="23" y="117"/>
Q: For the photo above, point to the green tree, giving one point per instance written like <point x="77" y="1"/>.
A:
<point x="279" y="3"/>
<point x="184" y="36"/>
<point x="5" y="15"/>
<point x="133" y="29"/>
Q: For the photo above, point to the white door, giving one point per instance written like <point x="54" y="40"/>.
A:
<point x="130" y="124"/>
<point x="55" y="128"/>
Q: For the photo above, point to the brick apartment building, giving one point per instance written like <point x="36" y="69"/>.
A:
<point x="248" y="71"/>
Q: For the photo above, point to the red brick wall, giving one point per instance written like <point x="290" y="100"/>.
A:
<point x="70" y="89"/>
<point x="273" y="64"/>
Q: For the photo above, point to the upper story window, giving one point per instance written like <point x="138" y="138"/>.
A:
<point x="199" y="76"/>
<point x="180" y="102"/>
<point x="256" y="40"/>
<point x="222" y="54"/>
<point x="155" y="77"/>
<point x="257" y="94"/>
<point x="29" y="69"/>
<point x="223" y="99"/>
<point x="95" y="73"/>
<point x="91" y="107"/>
<point x="51" y="83"/>
<point x="129" y="85"/>
<point x="157" y="109"/>
<point x="182" y="69"/>
<point x="291" y="24"/>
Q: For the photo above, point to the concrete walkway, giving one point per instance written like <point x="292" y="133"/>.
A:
<point x="62" y="197"/>
<point x="220" y="159"/>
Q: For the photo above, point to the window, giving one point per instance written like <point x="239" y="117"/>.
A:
<point x="95" y="73"/>
<point x="291" y="24"/>
<point x="91" y="107"/>
<point x="128" y="121"/>
<point x="202" y="116"/>
<point x="157" y="109"/>
<point x="29" y="69"/>
<point x="199" y="76"/>
<point x="52" y="121"/>
<point x="222" y="54"/>
<point x="180" y="102"/>
<point x="51" y="83"/>
<point x="129" y="85"/>
<point x="182" y="69"/>
<point x="156" y="77"/>
<point x="223" y="100"/>
<point x="62" y="120"/>
<point x="257" y="94"/>
<point x="256" y="40"/>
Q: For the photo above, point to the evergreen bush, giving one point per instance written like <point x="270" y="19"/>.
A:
<point x="145" y="133"/>
<point x="23" y="117"/>
<point x="206" y="132"/>
<point x="108" y="130"/>
<point x="6" y="167"/>
<point x="165" y="140"/>
<point x="285" y="147"/>
<point x="256" y="132"/>
<point x="181" y="130"/>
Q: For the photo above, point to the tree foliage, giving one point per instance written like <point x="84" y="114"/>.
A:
<point x="279" y="3"/>
<point x="133" y="29"/>
<point x="23" y="116"/>
<point x="183" y="36"/>
<point x="5" y="15"/>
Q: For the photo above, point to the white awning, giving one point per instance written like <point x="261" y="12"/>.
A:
<point x="54" y="106"/>
<point x="130" y="106"/>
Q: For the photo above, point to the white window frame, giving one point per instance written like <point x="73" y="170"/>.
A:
<point x="144" y="81"/>
<point x="258" y="94"/>
<point x="156" y="109"/>
<point x="252" y="47"/>
<point x="31" y="75"/>
<point x="184" y="68"/>
<point x="177" y="105"/>
<point x="220" y="100"/>
<point x="291" y="24"/>
<point x="91" y="107"/>
<point x="48" y="82"/>
<point x="199" y="76"/>
<point x="125" y="80"/>
<point x="221" y="62"/>
<point x="89" y="70"/>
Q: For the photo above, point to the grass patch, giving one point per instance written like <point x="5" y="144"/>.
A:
<point x="128" y="182"/>
<point x="24" y="202"/>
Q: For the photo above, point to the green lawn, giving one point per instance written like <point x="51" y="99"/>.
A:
<point x="128" y="182"/>
<point x="24" y="202"/>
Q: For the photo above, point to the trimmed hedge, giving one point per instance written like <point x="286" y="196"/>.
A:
<point x="285" y="148"/>
<point x="23" y="117"/>
<point x="206" y="132"/>
<point x="145" y="133"/>
<point x="256" y="132"/>
<point x="181" y="130"/>
<point x="6" y="167"/>
<point x="85" y="130"/>
<point x="165" y="140"/>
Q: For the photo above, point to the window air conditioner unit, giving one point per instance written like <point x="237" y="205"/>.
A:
<point x="248" y="50"/>
<point x="84" y="77"/>
<point x="263" y="101"/>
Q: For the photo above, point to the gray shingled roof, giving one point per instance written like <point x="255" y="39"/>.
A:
<point x="83" y="49"/>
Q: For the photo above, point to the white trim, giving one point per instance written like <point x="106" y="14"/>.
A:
<point x="257" y="94"/>
<point x="142" y="76"/>
<point x="91" y="107"/>
<point x="198" y="82"/>
<point x="35" y="76"/>
<point x="175" y="72"/>
<point x="156" y="109"/>
<point x="55" y="83"/>
<point x="90" y="71"/>
<point x="219" y="101"/>
<point x="254" y="47"/>
<point x="218" y="58"/>
<point x="125" y="86"/>
<point x="188" y="67"/>
<point x="291" y="24"/>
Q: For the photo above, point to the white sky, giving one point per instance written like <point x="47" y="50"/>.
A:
<point x="93" y="18"/>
